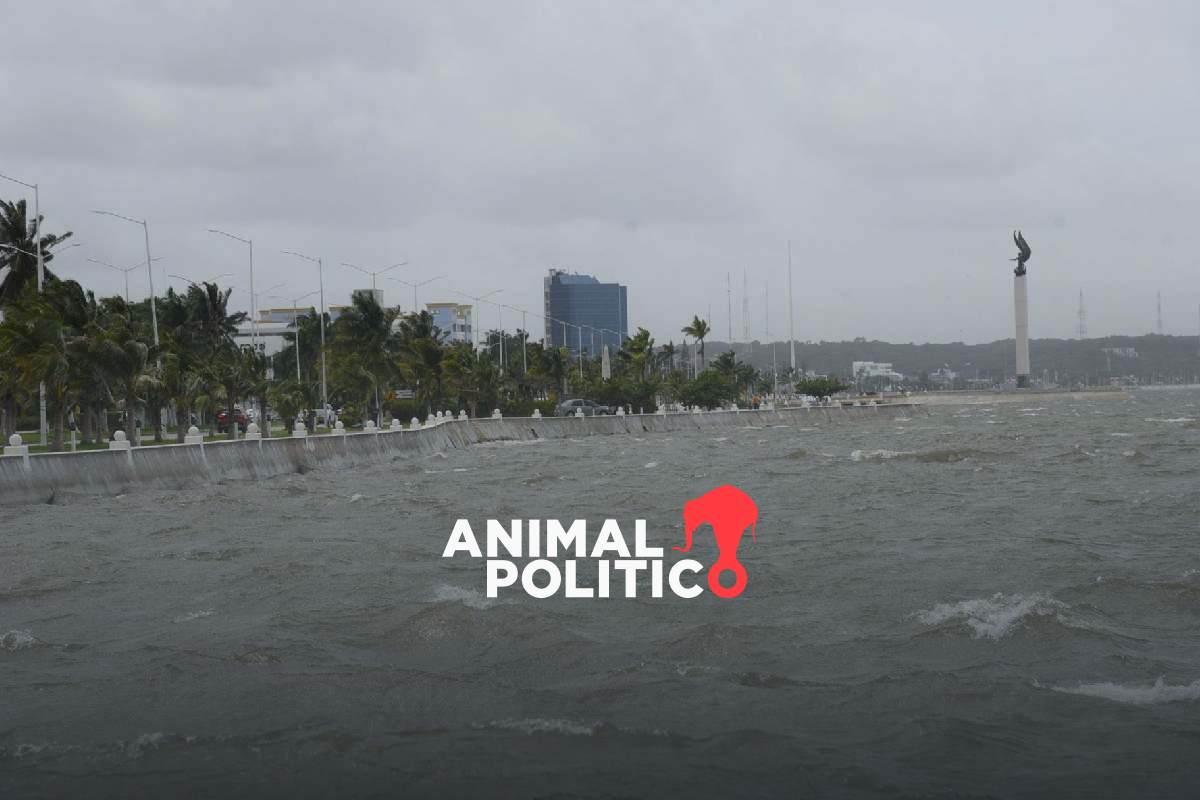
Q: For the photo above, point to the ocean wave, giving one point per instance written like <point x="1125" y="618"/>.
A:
<point x="511" y="443"/>
<point x="471" y="598"/>
<point x="1173" y="420"/>
<point x="555" y="726"/>
<point x="1136" y="694"/>
<point x="943" y="456"/>
<point x="18" y="640"/>
<point x="877" y="455"/>
<point x="532" y="725"/>
<point x="193" y="616"/>
<point x="993" y="617"/>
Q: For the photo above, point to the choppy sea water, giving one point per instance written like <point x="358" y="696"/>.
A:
<point x="989" y="601"/>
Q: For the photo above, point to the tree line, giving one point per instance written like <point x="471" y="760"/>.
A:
<point x="99" y="363"/>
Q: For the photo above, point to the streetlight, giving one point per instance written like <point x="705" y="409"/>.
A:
<point x="44" y="426"/>
<point x="16" y="249"/>
<point x="149" y="262"/>
<point x="321" y="279"/>
<point x="125" y="270"/>
<point x="416" y="286"/>
<point x="482" y="298"/>
<point x="374" y="273"/>
<point x="296" y="325"/>
<point x="253" y="320"/>
<point x="267" y="292"/>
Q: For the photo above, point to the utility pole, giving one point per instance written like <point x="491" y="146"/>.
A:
<point x="524" y="336"/>
<point x="729" y="308"/>
<point x="791" y="311"/>
<point x="746" y="311"/>
<point x="1082" y="317"/>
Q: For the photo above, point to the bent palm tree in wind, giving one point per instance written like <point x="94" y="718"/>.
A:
<point x="366" y="345"/>
<point x="38" y="345"/>
<point x="698" y="329"/>
<point x="17" y="230"/>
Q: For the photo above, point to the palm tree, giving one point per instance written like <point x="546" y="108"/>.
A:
<point x="39" y="345"/>
<point x="697" y="329"/>
<point x="366" y="345"/>
<point x="639" y="351"/>
<point x="123" y="355"/>
<point x="18" y="231"/>
<point x="421" y="355"/>
<point x="667" y="358"/>
<point x="471" y="378"/>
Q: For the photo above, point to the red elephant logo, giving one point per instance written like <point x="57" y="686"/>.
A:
<point x="729" y="511"/>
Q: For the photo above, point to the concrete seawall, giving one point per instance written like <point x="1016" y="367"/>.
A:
<point x="39" y="478"/>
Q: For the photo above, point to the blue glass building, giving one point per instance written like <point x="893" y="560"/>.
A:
<point x="601" y="309"/>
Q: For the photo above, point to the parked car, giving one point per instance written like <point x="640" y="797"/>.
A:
<point x="567" y="408"/>
<point x="239" y="416"/>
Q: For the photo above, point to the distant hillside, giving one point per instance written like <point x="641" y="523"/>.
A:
<point x="1149" y="359"/>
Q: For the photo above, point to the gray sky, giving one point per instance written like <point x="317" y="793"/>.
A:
<point x="654" y="143"/>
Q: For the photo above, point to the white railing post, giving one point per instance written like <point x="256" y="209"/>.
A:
<point x="17" y="448"/>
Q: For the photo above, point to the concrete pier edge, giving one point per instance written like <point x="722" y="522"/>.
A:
<point x="40" y="477"/>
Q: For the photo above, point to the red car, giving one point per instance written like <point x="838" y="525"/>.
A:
<point x="223" y="419"/>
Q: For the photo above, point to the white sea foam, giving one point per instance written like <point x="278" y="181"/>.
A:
<point x="1121" y="434"/>
<point x="876" y="455"/>
<point x="1136" y="694"/>
<point x="1174" y="420"/>
<point x="17" y="640"/>
<point x="354" y="498"/>
<point x="650" y="465"/>
<point x="993" y="617"/>
<point x="193" y="615"/>
<point x="534" y="725"/>
<point x="147" y="741"/>
<point x="445" y="593"/>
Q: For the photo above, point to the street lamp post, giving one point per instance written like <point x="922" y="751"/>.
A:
<point x="374" y="273"/>
<point x="43" y="425"/>
<point x="125" y="270"/>
<point x="149" y="268"/>
<point x="483" y="298"/>
<point x="253" y="313"/>
<point x="524" y="336"/>
<point x="296" y="324"/>
<point x="321" y="278"/>
<point x="416" y="286"/>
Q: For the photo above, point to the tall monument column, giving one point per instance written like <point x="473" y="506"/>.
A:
<point x="1021" y="304"/>
<point x="1021" y="308"/>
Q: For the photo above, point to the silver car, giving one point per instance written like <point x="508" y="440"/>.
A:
<point x="567" y="408"/>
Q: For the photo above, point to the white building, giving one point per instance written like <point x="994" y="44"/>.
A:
<point x="454" y="320"/>
<point x="270" y="336"/>
<point x="874" y="369"/>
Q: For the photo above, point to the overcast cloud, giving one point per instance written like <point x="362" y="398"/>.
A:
<point x="658" y="144"/>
